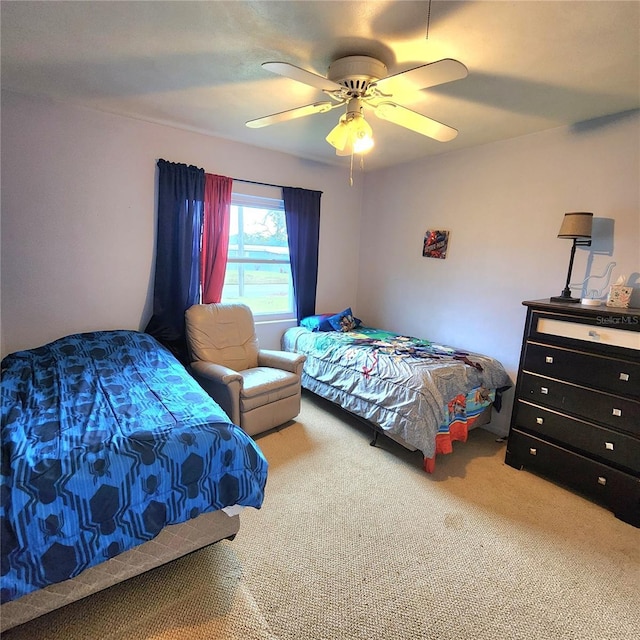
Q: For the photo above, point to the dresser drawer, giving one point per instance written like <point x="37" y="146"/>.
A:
<point x="603" y="408"/>
<point x="599" y="372"/>
<point x="588" y="332"/>
<point x="613" y="447"/>
<point x="618" y="490"/>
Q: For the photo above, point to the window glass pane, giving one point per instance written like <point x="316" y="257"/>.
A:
<point x="267" y="289"/>
<point x="258" y="233"/>
<point x="258" y="271"/>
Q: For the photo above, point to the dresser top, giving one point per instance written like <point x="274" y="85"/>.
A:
<point x="583" y="309"/>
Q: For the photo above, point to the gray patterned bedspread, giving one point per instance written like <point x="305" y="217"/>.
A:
<point x="399" y="383"/>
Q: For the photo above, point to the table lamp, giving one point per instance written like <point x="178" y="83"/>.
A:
<point x="577" y="227"/>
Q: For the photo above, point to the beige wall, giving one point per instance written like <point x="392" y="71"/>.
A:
<point x="503" y="204"/>
<point x="78" y="217"/>
<point x="78" y="222"/>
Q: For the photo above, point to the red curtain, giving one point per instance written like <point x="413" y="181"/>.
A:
<point x="215" y="235"/>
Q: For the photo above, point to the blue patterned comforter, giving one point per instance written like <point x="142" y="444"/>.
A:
<point x="105" y="440"/>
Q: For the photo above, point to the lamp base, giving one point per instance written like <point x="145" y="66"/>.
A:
<point x="563" y="299"/>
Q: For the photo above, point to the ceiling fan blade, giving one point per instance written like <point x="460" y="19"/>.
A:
<point x="426" y="75"/>
<point x="302" y="75"/>
<point x="291" y="114"/>
<point x="415" y="121"/>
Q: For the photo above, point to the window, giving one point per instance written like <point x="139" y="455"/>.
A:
<point x="258" y="270"/>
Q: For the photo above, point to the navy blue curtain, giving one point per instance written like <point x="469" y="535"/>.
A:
<point x="177" y="275"/>
<point x="302" y="213"/>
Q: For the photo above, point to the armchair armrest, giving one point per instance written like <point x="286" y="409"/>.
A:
<point x="215" y="372"/>
<point x="286" y="360"/>
<point x="222" y="384"/>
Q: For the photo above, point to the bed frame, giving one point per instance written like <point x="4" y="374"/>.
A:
<point x="483" y="418"/>
<point x="173" y="542"/>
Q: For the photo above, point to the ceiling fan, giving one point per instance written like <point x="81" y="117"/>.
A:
<point x="356" y="81"/>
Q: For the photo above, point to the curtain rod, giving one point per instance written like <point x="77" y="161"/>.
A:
<point x="263" y="184"/>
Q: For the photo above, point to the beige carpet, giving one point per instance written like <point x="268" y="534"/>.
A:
<point x="357" y="542"/>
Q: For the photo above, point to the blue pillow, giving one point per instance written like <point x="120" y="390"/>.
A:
<point x="317" y="323"/>
<point x="344" y="321"/>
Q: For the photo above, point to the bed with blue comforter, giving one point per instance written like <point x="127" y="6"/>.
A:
<point x="106" y="440"/>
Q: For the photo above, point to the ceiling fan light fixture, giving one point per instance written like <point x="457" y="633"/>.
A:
<point x="339" y="136"/>
<point x="362" y="134"/>
<point x="352" y="134"/>
<point x="363" y="145"/>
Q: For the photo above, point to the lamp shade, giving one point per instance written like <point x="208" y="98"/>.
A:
<point x="352" y="134"/>
<point x="339" y="135"/>
<point x="576" y="225"/>
<point x="362" y="135"/>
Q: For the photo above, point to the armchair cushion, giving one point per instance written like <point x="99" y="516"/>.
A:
<point x="264" y="385"/>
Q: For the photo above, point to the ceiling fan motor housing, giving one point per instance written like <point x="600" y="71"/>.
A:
<point x="356" y="73"/>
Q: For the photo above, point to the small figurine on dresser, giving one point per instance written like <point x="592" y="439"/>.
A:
<point x="619" y="294"/>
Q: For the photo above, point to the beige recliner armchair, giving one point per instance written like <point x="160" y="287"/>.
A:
<point x="258" y="389"/>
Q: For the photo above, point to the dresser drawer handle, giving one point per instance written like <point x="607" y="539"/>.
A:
<point x="549" y="359"/>
<point x="533" y="451"/>
<point x="617" y="412"/>
<point x="608" y="446"/>
<point x="594" y="334"/>
<point x="544" y="390"/>
<point x="624" y="377"/>
<point x="602" y="480"/>
<point x="539" y="420"/>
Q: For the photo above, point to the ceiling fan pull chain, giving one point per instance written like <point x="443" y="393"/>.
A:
<point x="351" y="171"/>
<point x="426" y="37"/>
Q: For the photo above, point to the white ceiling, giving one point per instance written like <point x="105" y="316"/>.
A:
<point x="197" y="65"/>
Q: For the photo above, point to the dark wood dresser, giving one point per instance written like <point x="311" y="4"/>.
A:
<point x="576" y="414"/>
